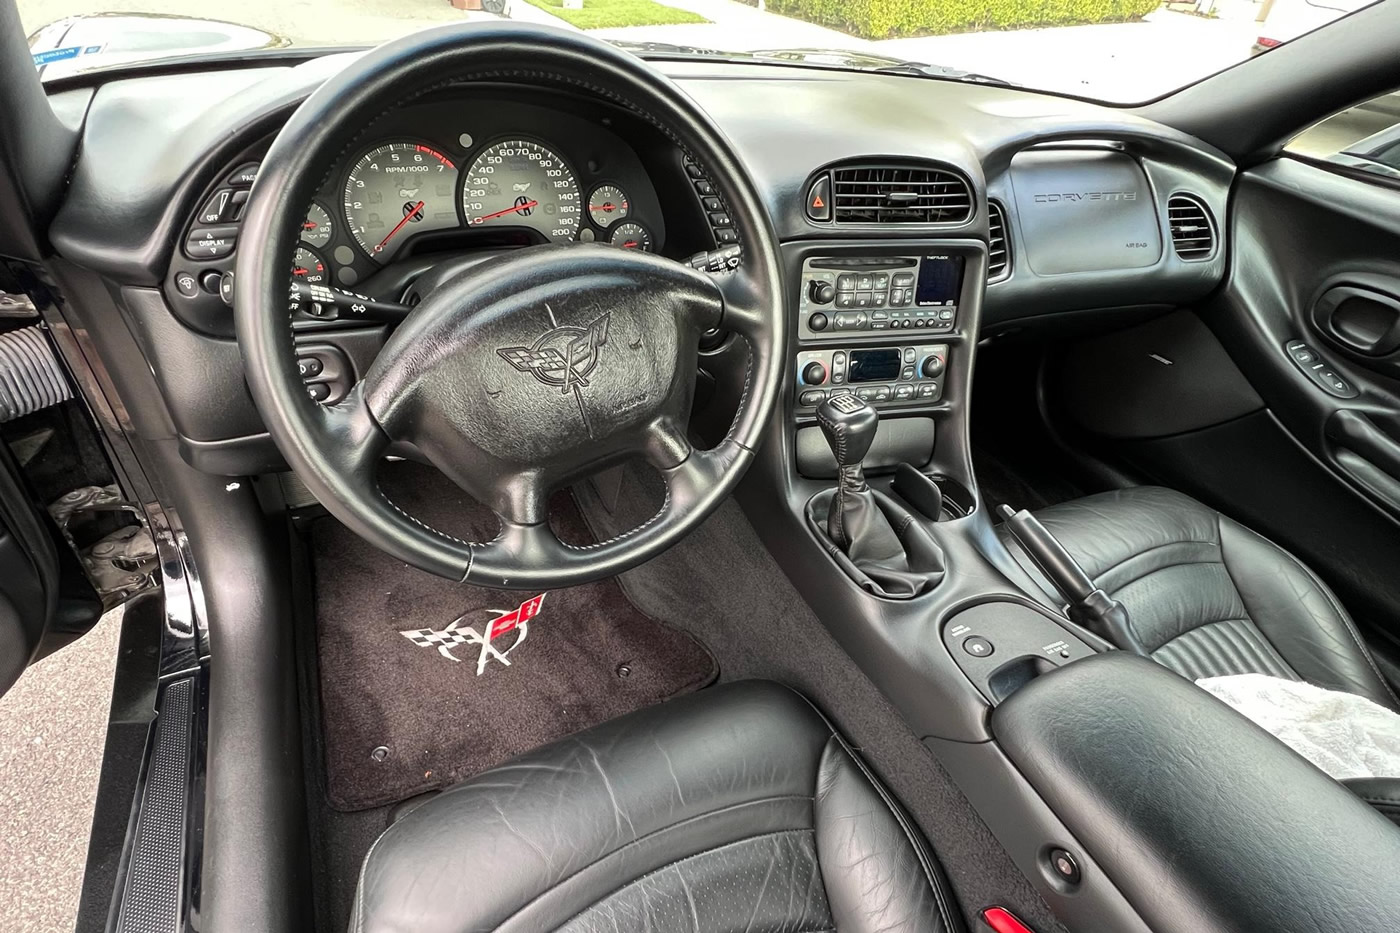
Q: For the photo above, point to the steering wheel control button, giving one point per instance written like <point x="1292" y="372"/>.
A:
<point x="1063" y="864"/>
<point x="186" y="284"/>
<point x="819" y="200"/>
<point x="244" y="175"/>
<point x="977" y="646"/>
<point x="309" y="367"/>
<point x="211" y="242"/>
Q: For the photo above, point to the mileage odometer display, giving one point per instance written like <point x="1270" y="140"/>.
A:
<point x="520" y="183"/>
<point x="396" y="190"/>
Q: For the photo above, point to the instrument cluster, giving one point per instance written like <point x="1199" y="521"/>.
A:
<point x="465" y="174"/>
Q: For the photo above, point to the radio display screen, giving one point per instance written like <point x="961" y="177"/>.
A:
<point x="874" y="365"/>
<point x="940" y="281"/>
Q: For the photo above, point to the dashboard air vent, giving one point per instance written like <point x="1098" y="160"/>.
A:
<point x="1193" y="235"/>
<point x="998" y="246"/>
<point x="899" y="195"/>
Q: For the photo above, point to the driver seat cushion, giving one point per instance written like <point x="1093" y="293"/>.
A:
<point x="1209" y="597"/>
<point x="737" y="808"/>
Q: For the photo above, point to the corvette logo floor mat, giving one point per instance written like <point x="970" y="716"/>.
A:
<point x="425" y="682"/>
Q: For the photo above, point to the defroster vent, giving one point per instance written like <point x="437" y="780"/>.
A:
<point x="1193" y="233"/>
<point x="892" y="194"/>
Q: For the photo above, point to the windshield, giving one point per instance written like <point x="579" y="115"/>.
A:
<point x="1119" y="51"/>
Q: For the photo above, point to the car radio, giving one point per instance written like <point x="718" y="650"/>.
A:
<point x="842" y="294"/>
<point x="893" y="375"/>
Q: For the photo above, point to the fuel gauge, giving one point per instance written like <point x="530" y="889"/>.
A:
<point x="631" y="236"/>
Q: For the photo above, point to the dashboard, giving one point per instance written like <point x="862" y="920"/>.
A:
<point x="1063" y="207"/>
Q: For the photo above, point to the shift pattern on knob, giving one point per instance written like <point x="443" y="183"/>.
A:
<point x="849" y="425"/>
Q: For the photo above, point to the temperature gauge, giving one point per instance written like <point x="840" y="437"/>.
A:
<point x="316" y="228"/>
<point x="631" y="236"/>
<point x="309" y="268"/>
<point x="607" y="205"/>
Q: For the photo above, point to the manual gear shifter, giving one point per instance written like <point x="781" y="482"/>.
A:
<point x="849" y="426"/>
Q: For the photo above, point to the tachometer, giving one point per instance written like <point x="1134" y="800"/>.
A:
<point x="396" y="190"/>
<point x="521" y="183"/>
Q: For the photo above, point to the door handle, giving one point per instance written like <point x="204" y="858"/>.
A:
<point x="1361" y="319"/>
<point x="1367" y="454"/>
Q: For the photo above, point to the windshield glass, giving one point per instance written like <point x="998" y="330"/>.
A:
<point x="1114" y="50"/>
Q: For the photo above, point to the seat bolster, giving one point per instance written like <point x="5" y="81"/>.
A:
<point x="1300" y="616"/>
<point x="877" y="872"/>
<point x="1382" y="793"/>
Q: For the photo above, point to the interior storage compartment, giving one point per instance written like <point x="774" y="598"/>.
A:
<point x="1203" y="820"/>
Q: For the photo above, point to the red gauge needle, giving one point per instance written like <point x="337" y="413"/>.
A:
<point x="510" y="210"/>
<point x="406" y="218"/>
<point x="300" y="271"/>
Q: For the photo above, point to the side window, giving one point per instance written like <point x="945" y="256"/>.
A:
<point x="1365" y="138"/>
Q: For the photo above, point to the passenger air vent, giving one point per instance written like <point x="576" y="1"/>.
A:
<point x="1193" y="234"/>
<point x="998" y="246"/>
<point x="899" y="195"/>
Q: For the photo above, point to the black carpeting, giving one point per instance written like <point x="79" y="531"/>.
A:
<point x="403" y="714"/>
<point x="725" y="588"/>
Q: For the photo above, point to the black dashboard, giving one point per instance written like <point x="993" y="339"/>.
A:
<point x="1062" y="207"/>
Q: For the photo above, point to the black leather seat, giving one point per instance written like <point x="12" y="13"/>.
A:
<point x="1209" y="597"/>
<point x="735" y="809"/>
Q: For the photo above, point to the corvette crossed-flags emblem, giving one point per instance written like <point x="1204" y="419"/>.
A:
<point x="456" y="633"/>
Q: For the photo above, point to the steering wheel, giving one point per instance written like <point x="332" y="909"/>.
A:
<point x="530" y="370"/>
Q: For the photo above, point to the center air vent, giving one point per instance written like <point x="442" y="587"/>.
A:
<point x="889" y="194"/>
<point x="1193" y="234"/>
<point x="998" y="247"/>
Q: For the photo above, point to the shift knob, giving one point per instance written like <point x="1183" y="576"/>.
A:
<point x="849" y="425"/>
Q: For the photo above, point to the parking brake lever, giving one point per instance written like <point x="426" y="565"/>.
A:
<point x="1089" y="605"/>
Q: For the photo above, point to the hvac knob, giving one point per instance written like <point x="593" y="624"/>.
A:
<point x="813" y="374"/>
<point x="932" y="367"/>
<point x="821" y="293"/>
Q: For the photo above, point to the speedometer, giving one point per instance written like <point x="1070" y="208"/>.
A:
<point x="396" y="190"/>
<point x="520" y="183"/>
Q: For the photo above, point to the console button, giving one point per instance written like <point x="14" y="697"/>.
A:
<point x="878" y="299"/>
<point x="218" y="207"/>
<point x="819" y="200"/>
<point x="186" y="284"/>
<point x="211" y="242"/>
<point x="977" y="646"/>
<point x="845" y="299"/>
<point x="863" y="299"/>
<point x="904" y="391"/>
<point x="846" y="282"/>
<point x="946" y="314"/>
<point x="813" y="374"/>
<point x="882" y="281"/>
<point x="817" y="321"/>
<point x="865" y="282"/>
<point x="812" y="397"/>
<point x="244" y="175"/>
<point x="1303" y="355"/>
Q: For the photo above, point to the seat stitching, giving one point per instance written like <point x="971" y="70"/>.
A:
<point x="1147" y="573"/>
<point x="1157" y="547"/>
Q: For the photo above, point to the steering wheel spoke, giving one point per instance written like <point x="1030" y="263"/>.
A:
<point x="666" y="444"/>
<point x="747" y="309"/>
<point x="352" y="435"/>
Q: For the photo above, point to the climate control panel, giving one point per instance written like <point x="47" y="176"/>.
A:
<point x="911" y="374"/>
<point x="879" y="294"/>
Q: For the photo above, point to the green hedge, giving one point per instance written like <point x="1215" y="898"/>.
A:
<point x="883" y="19"/>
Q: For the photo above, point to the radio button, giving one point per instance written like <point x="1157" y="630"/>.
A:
<point x="877" y="300"/>
<point x="817" y="321"/>
<point x="865" y="282"/>
<point x="846" y="282"/>
<point x="946" y="314"/>
<point x="845" y="299"/>
<point x="862" y="299"/>
<point x="880" y="325"/>
<point x="903" y="279"/>
<point x="820" y="292"/>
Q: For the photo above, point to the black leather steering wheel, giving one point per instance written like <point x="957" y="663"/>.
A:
<point x="532" y="369"/>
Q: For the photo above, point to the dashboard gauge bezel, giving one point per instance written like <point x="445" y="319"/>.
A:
<point x="351" y="164"/>
<point x="621" y="218"/>
<point x="480" y="151"/>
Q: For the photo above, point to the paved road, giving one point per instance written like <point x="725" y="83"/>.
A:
<point x="52" y="727"/>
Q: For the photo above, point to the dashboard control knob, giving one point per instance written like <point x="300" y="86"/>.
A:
<point x="817" y="321"/>
<point x="821" y="293"/>
<point x="932" y="367"/>
<point x="813" y="374"/>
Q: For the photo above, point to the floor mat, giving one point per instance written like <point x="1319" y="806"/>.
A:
<point x="411" y="698"/>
